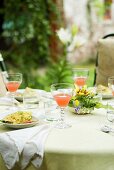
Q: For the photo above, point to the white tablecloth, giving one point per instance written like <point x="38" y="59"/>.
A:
<point x="82" y="147"/>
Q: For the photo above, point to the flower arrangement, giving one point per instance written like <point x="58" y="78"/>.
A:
<point x="84" y="101"/>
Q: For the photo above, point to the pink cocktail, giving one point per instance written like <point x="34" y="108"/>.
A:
<point x="62" y="93"/>
<point x="12" y="82"/>
<point x="62" y="99"/>
<point x="113" y="93"/>
<point x="12" y="86"/>
<point x="80" y="81"/>
<point x="111" y="84"/>
<point x="80" y="76"/>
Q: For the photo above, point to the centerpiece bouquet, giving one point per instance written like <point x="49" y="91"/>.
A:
<point x="84" y="101"/>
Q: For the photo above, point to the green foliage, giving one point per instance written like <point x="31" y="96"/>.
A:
<point x="57" y="72"/>
<point x="100" y="7"/>
<point x="27" y="30"/>
<point x="60" y="72"/>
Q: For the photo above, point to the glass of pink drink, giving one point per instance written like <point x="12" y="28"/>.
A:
<point x="80" y="76"/>
<point x="62" y="93"/>
<point x="111" y="84"/>
<point x="12" y="83"/>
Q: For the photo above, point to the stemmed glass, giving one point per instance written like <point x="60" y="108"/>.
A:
<point x="110" y="114"/>
<point x="62" y="93"/>
<point x="80" y="76"/>
<point x="111" y="84"/>
<point x="12" y="82"/>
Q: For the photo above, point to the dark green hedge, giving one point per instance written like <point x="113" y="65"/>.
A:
<point x="26" y="31"/>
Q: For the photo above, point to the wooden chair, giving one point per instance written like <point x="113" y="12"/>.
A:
<point x="104" y="60"/>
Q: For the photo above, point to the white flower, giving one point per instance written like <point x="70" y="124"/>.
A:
<point x="70" y="38"/>
<point x="77" y="41"/>
<point x="64" y="35"/>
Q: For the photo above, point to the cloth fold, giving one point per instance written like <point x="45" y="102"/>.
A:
<point x="7" y="101"/>
<point x="29" y="143"/>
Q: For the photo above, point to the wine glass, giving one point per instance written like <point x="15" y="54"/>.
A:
<point x="62" y="93"/>
<point x="12" y="82"/>
<point x="110" y="114"/>
<point x="111" y="84"/>
<point x="80" y="76"/>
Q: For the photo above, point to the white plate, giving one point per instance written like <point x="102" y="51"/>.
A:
<point x="41" y="93"/>
<point x="21" y="126"/>
<point x="107" y="96"/>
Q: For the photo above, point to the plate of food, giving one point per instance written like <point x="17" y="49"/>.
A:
<point x="41" y="94"/>
<point x="19" y="120"/>
<point x="107" y="96"/>
<point x="20" y="93"/>
<point x="104" y="91"/>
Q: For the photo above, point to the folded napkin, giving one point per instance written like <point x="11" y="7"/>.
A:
<point x="29" y="143"/>
<point x="7" y="101"/>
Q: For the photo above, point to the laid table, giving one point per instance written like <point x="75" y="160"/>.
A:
<point x="81" y="147"/>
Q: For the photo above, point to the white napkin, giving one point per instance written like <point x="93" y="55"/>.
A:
<point x="29" y="142"/>
<point x="7" y="101"/>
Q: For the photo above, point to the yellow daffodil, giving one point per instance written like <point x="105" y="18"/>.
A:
<point x="81" y="93"/>
<point x="77" y="103"/>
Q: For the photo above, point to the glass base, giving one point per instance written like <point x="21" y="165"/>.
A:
<point x="62" y="125"/>
<point x="51" y="119"/>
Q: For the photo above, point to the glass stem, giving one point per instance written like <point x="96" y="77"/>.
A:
<point x="13" y="99"/>
<point x="62" y="118"/>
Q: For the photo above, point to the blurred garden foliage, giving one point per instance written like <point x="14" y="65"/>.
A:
<point x="30" y="40"/>
<point x="27" y="30"/>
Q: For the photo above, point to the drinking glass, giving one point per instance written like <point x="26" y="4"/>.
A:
<point x="80" y="76"/>
<point x="111" y="84"/>
<point x="12" y="82"/>
<point x="62" y="93"/>
<point x="110" y="113"/>
<point x="52" y="112"/>
<point x="31" y="100"/>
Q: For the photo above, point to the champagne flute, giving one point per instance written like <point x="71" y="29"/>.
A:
<point x="12" y="82"/>
<point x="80" y="76"/>
<point x="62" y="93"/>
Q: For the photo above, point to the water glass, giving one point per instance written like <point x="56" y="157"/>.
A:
<point x="110" y="113"/>
<point x="31" y="101"/>
<point x="52" y="112"/>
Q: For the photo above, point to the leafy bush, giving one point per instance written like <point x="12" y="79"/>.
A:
<point x="27" y="31"/>
<point x="56" y="72"/>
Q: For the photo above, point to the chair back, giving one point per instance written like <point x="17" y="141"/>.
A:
<point x="104" y="60"/>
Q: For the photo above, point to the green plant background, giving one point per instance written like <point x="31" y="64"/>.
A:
<point x="26" y="32"/>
